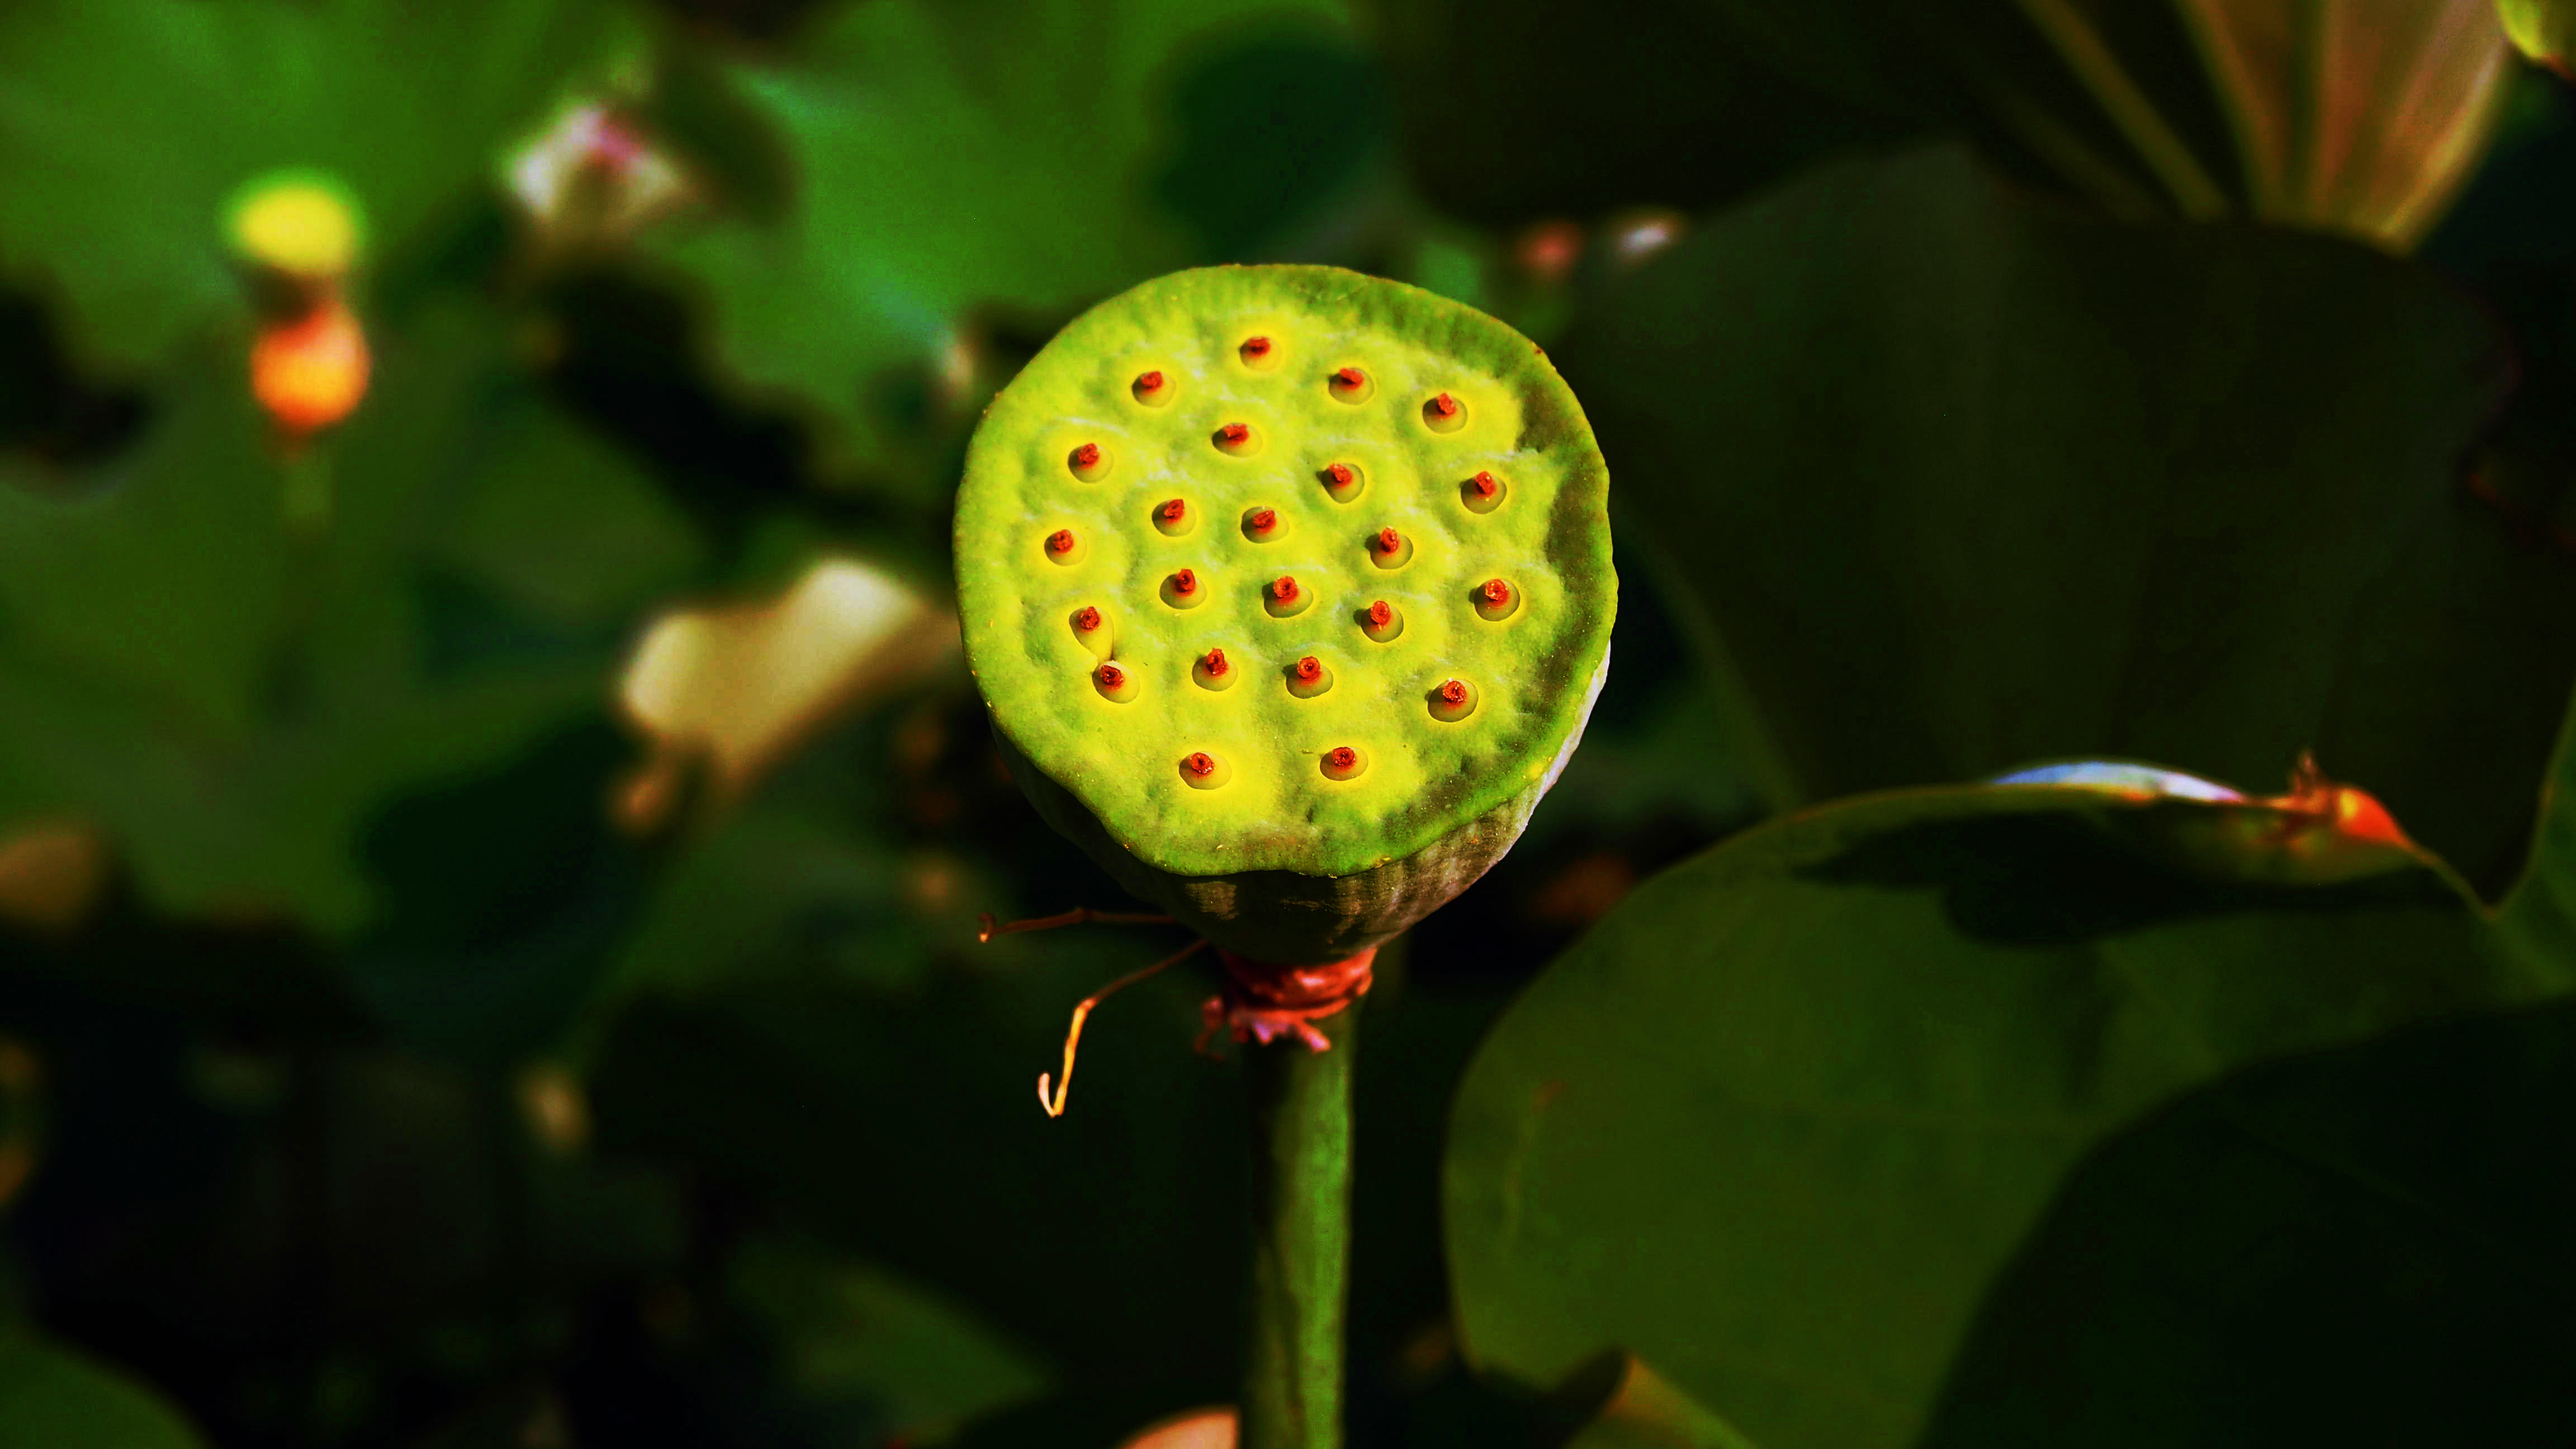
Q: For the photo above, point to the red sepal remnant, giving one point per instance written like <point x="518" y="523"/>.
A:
<point x="1389" y="541"/>
<point x="1284" y="589"/>
<point x="1173" y="511"/>
<point x="1215" y="662"/>
<point x="1234" y="432"/>
<point x="1310" y="668"/>
<point x="1341" y="475"/>
<point x="1185" y="582"/>
<point x="1381" y="614"/>
<point x="1256" y="347"/>
<point x="1445" y="405"/>
<point x="1453" y="693"/>
<point x="1149" y="382"/>
<point x="1350" y="377"/>
<point x="1060" y="541"/>
<point x="1262" y="1001"/>
<point x="1112" y="677"/>
<point x="1484" y="484"/>
<point x="1087" y="456"/>
<point x="1264" y="520"/>
<point x="1087" y="620"/>
<point x="1497" y="592"/>
<point x="1201" y="764"/>
<point x="1341" y="757"/>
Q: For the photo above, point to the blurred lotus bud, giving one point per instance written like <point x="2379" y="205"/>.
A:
<point x="51" y="876"/>
<point x="2545" y="30"/>
<point x="1546" y="251"/>
<point x="2357" y="116"/>
<point x="311" y="371"/>
<point x="1197" y="1429"/>
<point x="738" y="685"/>
<point x="1637" y="235"/>
<point x="592" y="178"/>
<point x="303" y="224"/>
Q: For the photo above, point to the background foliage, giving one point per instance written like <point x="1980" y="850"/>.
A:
<point x="487" y="891"/>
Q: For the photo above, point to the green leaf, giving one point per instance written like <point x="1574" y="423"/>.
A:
<point x="1009" y="155"/>
<point x="231" y="688"/>
<point x="1778" y="1123"/>
<point x="1958" y="481"/>
<point x="53" y="1398"/>
<point x="2545" y="30"/>
<point x="1645" y="1412"/>
<point x="905" y="1362"/>
<point x="127" y="127"/>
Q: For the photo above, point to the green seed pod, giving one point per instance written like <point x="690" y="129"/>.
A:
<point x="1405" y="656"/>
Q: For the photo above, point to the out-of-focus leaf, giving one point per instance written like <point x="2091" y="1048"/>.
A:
<point x="229" y="693"/>
<point x="741" y="683"/>
<point x="1006" y="155"/>
<point x="53" y="1398"/>
<point x="1645" y="1412"/>
<point x="125" y="127"/>
<point x="2545" y="30"/>
<point x="1780" y="1120"/>
<point x="2355" y="116"/>
<point x="1957" y="481"/>
<point x="895" y="1359"/>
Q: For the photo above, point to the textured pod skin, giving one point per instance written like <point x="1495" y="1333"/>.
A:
<point x="1289" y="861"/>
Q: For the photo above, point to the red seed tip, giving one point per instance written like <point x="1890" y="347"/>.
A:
<point x="1341" y="475"/>
<point x="1256" y="346"/>
<point x="1087" y="620"/>
<point x="1445" y="405"/>
<point x="1341" y="757"/>
<point x="1310" y="668"/>
<point x="1388" y="540"/>
<point x="1060" y="541"/>
<point x="1111" y="676"/>
<point x="1264" y="520"/>
<point x="1485" y="485"/>
<point x="1149" y="382"/>
<point x="1497" y="592"/>
<point x="1185" y="582"/>
<point x="1216" y="661"/>
<point x="1200" y="763"/>
<point x="1350" y="377"/>
<point x="1173" y="510"/>
<point x="1285" y="589"/>
<point x="1453" y="692"/>
<point x="1381" y="613"/>
<point x="1087" y="456"/>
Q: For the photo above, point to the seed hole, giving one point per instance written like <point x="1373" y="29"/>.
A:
<point x="1496" y="600"/>
<point x="1389" y="549"/>
<point x="1152" y="389"/>
<point x="1444" y="414"/>
<point x="1091" y="630"/>
<point x="1258" y="354"/>
<point x="1203" y="771"/>
<point x="1452" y="700"/>
<point x="1114" y="683"/>
<point x="1261" y="525"/>
<point x="1344" y="762"/>
<point x="1482" y="493"/>
<point x="1381" y="622"/>
<point x="1174" y="517"/>
<point x="1342" y="482"/>
<point x="1182" y="589"/>
<point x="1237" y="440"/>
<point x="1063" y="547"/>
<point x="1285" y="598"/>
<point x="1350" y="385"/>
<point x="1089" y="462"/>
<point x="1213" y="670"/>
<point x="1308" y="677"/>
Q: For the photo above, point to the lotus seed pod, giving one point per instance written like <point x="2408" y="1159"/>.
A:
<point x="1331" y="717"/>
<point x="302" y="223"/>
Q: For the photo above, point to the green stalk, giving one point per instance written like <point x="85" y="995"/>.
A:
<point x="1301" y="1239"/>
